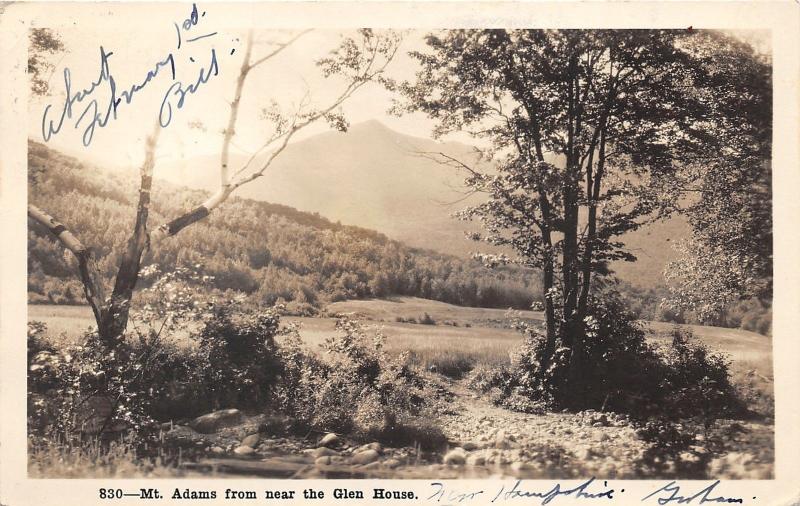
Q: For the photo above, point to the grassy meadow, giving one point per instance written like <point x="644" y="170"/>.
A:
<point x="454" y="338"/>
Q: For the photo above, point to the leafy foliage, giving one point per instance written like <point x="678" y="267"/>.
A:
<point x="355" y="386"/>
<point x="240" y="356"/>
<point x="592" y="133"/>
<point x="43" y="43"/>
<point x="278" y="254"/>
<point x="729" y="256"/>
<point x="622" y="373"/>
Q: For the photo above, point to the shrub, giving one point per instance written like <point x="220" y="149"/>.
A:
<point x="356" y="388"/>
<point x="88" y="388"/>
<point x="452" y="365"/>
<point x="231" y="362"/>
<point x="621" y="372"/>
<point x="696" y="383"/>
<point x="239" y="354"/>
<point x="426" y="319"/>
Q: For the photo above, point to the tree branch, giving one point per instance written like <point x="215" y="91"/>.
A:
<point x="87" y="268"/>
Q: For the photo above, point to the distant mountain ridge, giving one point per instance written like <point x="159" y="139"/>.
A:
<point x="377" y="178"/>
<point x="272" y="252"/>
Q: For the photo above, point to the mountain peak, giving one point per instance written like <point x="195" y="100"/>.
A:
<point x="373" y="127"/>
<point x="371" y="124"/>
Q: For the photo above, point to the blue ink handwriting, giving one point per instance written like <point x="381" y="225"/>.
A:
<point x="669" y="493"/>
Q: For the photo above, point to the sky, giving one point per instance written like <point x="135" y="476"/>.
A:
<point x="196" y="128"/>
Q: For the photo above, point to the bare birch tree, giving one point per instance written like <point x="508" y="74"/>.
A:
<point x="358" y="60"/>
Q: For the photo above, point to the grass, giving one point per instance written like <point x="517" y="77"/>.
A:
<point x="94" y="459"/>
<point x="478" y="338"/>
<point x="408" y="308"/>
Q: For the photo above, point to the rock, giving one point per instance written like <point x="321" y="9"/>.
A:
<point x="217" y="450"/>
<point x="371" y="446"/>
<point x="501" y="440"/>
<point x="251" y="440"/>
<point x="244" y="450"/>
<point x="518" y="466"/>
<point x="275" y="425"/>
<point x="322" y="461"/>
<point x="469" y="446"/>
<point x="212" y="422"/>
<point x="373" y="465"/>
<point x="455" y="457"/>
<point x="330" y="439"/>
<point x="392" y="463"/>
<point x="476" y="459"/>
<point x="583" y="454"/>
<point x="365" y="457"/>
<point x="322" y="451"/>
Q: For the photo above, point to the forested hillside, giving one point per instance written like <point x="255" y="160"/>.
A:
<point x="269" y="251"/>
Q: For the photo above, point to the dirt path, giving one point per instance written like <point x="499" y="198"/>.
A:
<point x="595" y="444"/>
<point x="487" y="441"/>
<point x="556" y="444"/>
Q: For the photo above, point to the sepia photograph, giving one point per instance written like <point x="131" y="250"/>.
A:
<point x="379" y="253"/>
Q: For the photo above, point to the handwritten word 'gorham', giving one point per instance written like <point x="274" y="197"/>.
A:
<point x="669" y="494"/>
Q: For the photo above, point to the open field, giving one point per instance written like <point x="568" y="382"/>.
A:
<point x="473" y="334"/>
<point x="407" y="308"/>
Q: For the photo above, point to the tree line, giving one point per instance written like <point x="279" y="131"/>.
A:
<point x="273" y="253"/>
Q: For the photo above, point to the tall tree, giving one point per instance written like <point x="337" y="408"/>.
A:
<point x="358" y="60"/>
<point x="588" y="132"/>
<point x="729" y="255"/>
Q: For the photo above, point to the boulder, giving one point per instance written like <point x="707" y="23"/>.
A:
<point x="455" y="457"/>
<point x="323" y="451"/>
<point x="322" y="461"/>
<point x="476" y="459"/>
<point x="329" y="440"/>
<point x="212" y="422"/>
<point x="251" y="440"/>
<point x="274" y="425"/>
<point x="518" y="466"/>
<point x="502" y="440"/>
<point x="244" y="450"/>
<point x="392" y="463"/>
<point x="365" y="457"/>
<point x="371" y="446"/>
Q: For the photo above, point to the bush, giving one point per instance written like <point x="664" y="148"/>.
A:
<point x="231" y="361"/>
<point x="88" y="388"/>
<point x="240" y="357"/>
<point x="696" y="383"/>
<point x="621" y="372"/>
<point x="357" y="388"/>
<point x="453" y="365"/>
<point x="426" y="319"/>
